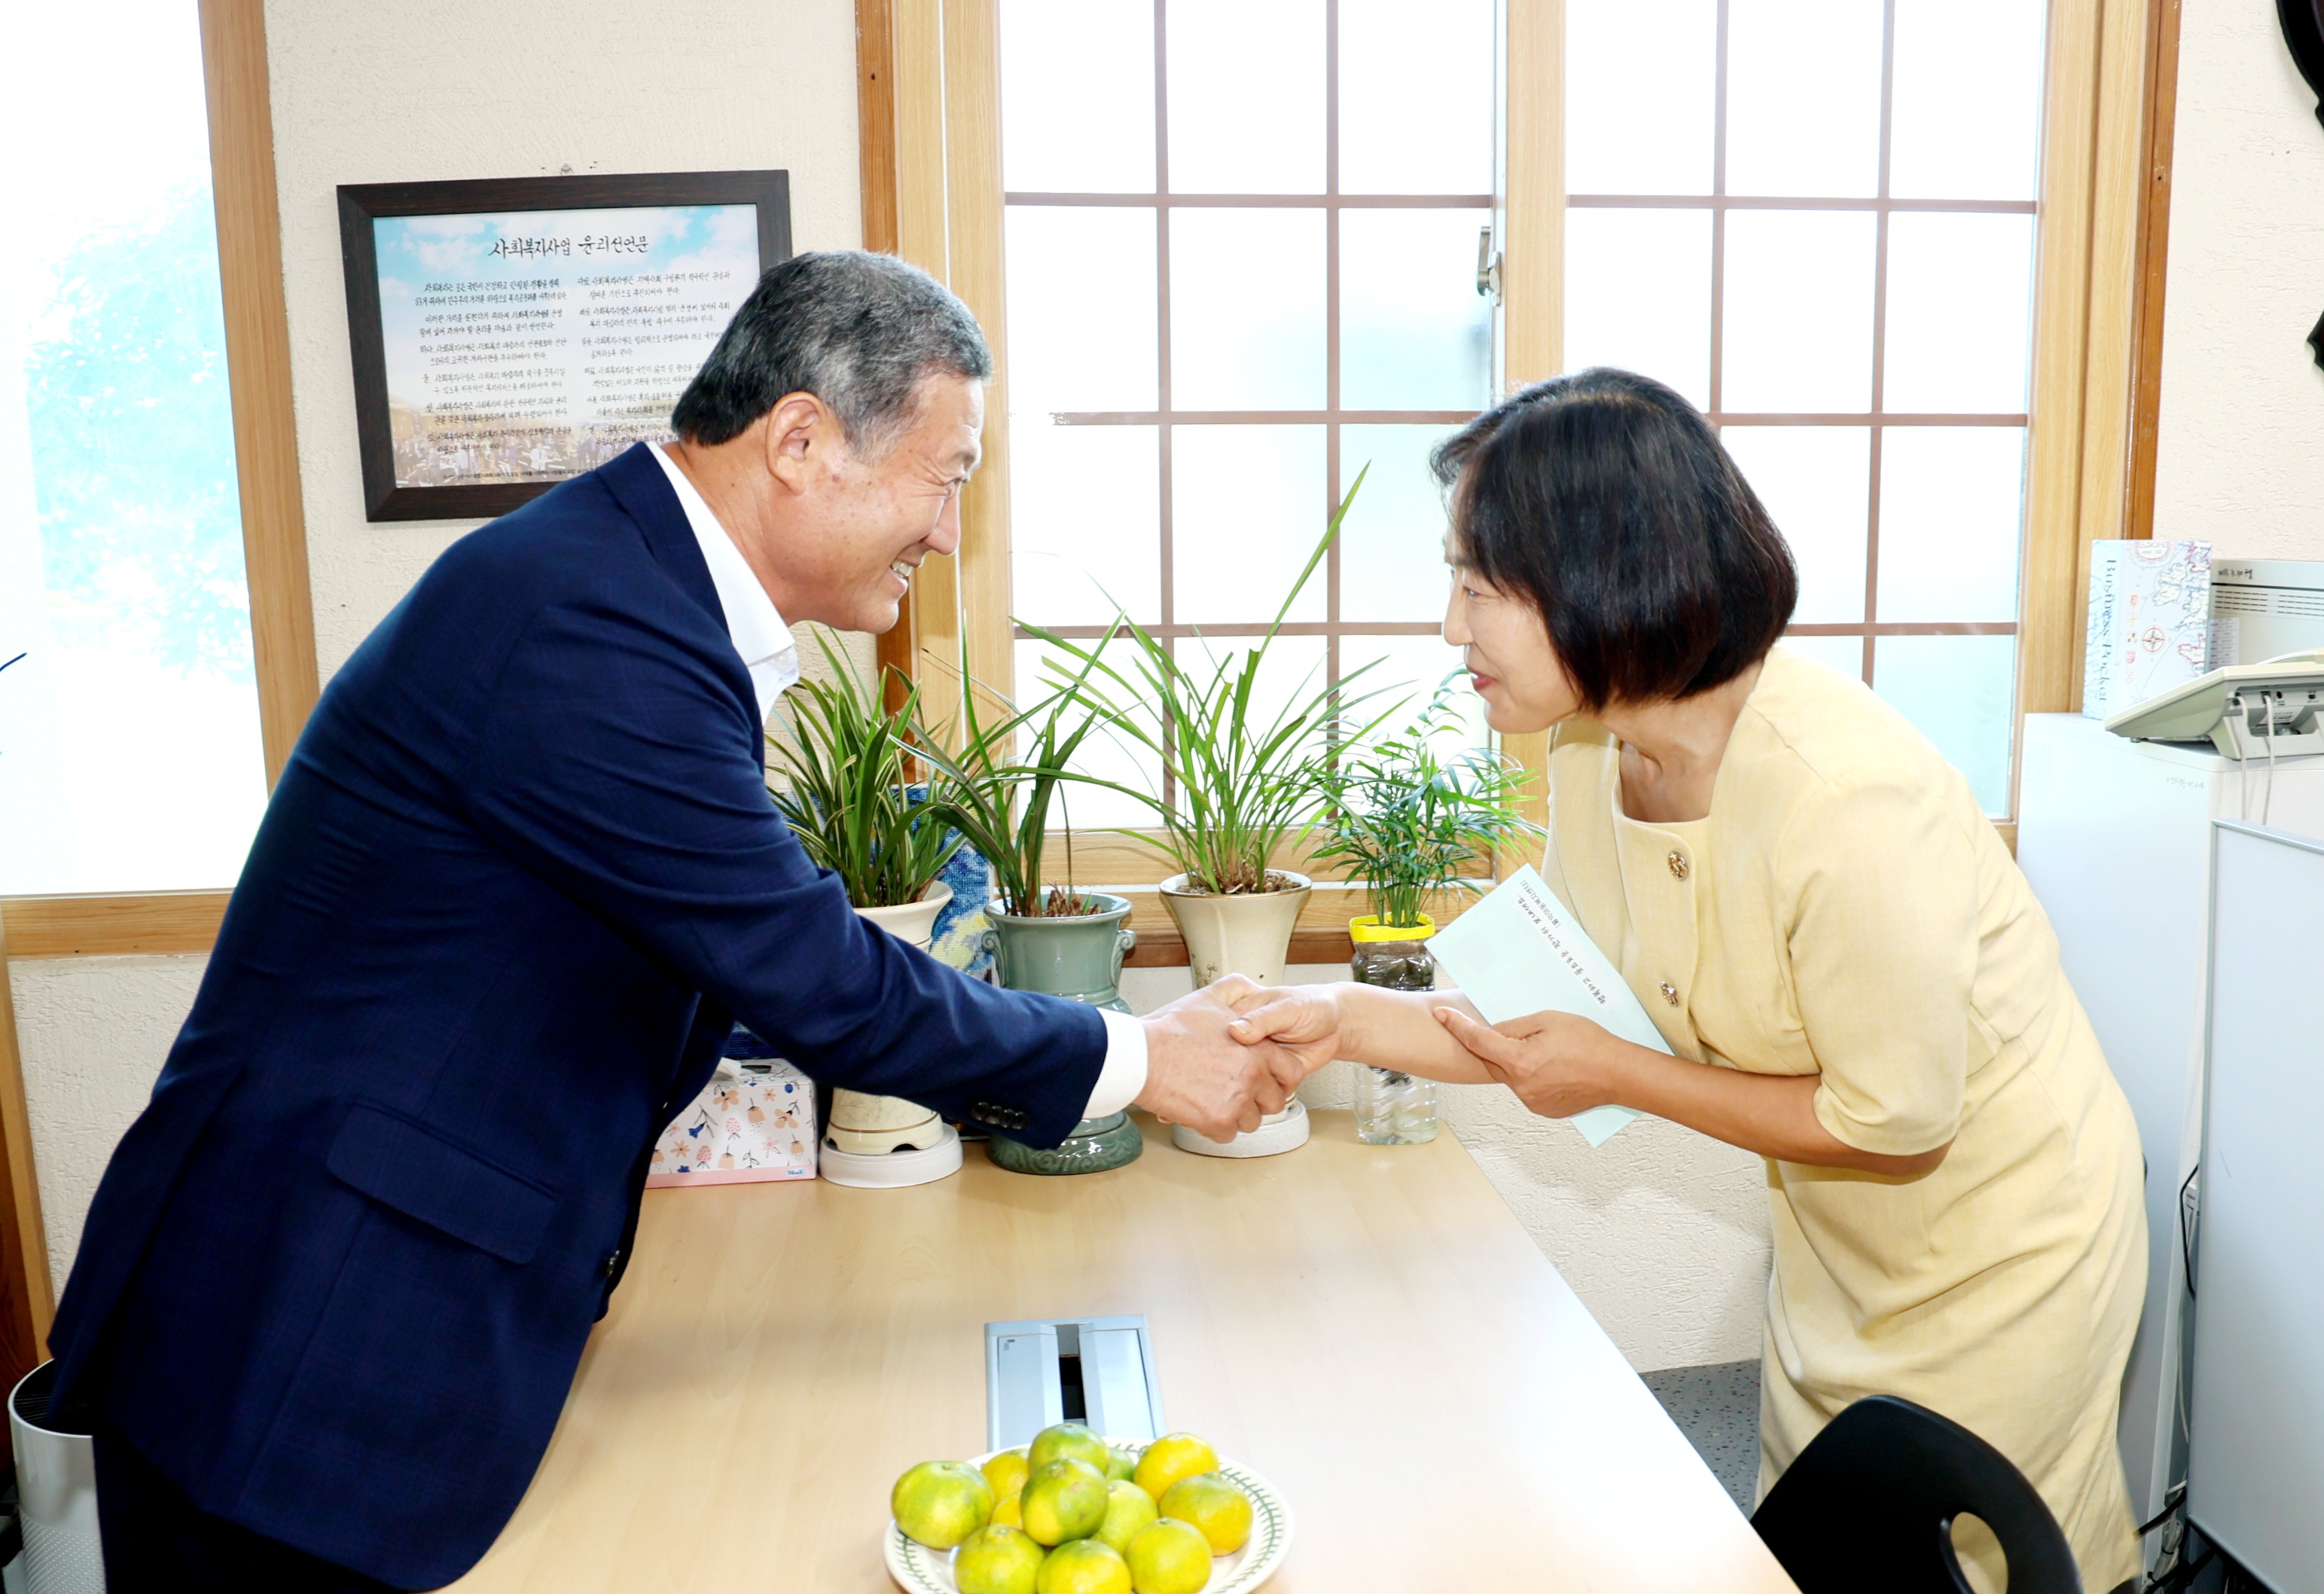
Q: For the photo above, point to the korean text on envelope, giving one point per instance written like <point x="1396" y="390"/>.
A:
<point x="1518" y="952"/>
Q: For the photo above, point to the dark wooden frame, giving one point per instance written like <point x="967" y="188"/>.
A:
<point x="361" y="204"/>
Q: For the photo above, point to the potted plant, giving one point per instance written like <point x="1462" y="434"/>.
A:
<point x="1000" y="781"/>
<point x="849" y="795"/>
<point x="1405" y="819"/>
<point x="1245" y="783"/>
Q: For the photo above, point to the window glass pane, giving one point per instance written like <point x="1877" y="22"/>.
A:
<point x="1246" y="96"/>
<point x="1951" y="500"/>
<point x="1077" y="95"/>
<point x="1246" y="309"/>
<point x="1843" y="654"/>
<point x="1415" y="97"/>
<point x="1392" y="543"/>
<point x="130" y="757"/>
<point x="1414" y="334"/>
<point x="1294" y="672"/>
<point x="1961" y="301"/>
<point x="1966" y="122"/>
<point x="1640" y="95"/>
<point x="1084" y="519"/>
<point x="1803" y="96"/>
<point x="1405" y="671"/>
<point x="1799" y="312"/>
<point x="1247" y="507"/>
<point x="1637" y="295"/>
<point x="1815" y="481"/>
<point x="1081" y="309"/>
<point x="1109" y="755"/>
<point x="1960" y="690"/>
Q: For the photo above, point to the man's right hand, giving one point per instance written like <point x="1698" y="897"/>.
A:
<point x="1199" y="1075"/>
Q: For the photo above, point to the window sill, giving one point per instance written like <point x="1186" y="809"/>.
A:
<point x="111" y="926"/>
<point x="1166" y="948"/>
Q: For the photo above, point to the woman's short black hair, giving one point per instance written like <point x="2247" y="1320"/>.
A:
<point x="1605" y="499"/>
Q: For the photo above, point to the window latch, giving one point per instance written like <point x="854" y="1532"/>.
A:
<point x="1489" y="265"/>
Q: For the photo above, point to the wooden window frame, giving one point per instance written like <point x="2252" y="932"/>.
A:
<point x="266" y="467"/>
<point x="928" y="106"/>
<point x="929" y="97"/>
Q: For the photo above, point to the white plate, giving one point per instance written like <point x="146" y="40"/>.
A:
<point x="918" y="1570"/>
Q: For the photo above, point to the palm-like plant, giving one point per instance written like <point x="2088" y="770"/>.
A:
<point x="1246" y="782"/>
<point x="1405" y="819"/>
<point x="850" y="796"/>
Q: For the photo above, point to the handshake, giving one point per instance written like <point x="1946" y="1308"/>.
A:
<point x="1210" y="1067"/>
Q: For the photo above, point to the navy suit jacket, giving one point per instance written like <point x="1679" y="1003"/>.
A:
<point x="518" y="880"/>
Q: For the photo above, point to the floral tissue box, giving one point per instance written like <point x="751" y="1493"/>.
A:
<point x="753" y="1122"/>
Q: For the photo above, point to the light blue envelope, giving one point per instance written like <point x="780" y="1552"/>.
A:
<point x="1518" y="952"/>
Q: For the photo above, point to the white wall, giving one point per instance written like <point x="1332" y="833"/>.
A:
<point x="93" y="1032"/>
<point x="428" y="89"/>
<point x="2240" y="458"/>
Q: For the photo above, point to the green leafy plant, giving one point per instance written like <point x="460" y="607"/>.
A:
<point x="851" y="797"/>
<point x="999" y="797"/>
<point x="1405" y="819"/>
<point x="1245" y="781"/>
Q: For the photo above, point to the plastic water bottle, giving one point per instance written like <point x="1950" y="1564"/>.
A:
<point x="1394" y="1108"/>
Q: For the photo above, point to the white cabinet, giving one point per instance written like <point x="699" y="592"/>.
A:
<point x="2115" y="837"/>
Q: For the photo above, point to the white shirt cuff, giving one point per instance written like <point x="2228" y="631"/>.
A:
<point x="1123" y="1076"/>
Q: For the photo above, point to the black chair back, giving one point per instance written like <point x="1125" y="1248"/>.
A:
<point x="1870" y="1504"/>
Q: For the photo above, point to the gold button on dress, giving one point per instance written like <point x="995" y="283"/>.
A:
<point x="1852" y="915"/>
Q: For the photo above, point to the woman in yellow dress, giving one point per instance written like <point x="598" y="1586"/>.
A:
<point x="1808" y="899"/>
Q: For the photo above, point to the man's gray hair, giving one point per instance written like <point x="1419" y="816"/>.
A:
<point x="860" y="331"/>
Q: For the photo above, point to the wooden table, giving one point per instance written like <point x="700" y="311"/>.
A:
<point x="1368" y="1327"/>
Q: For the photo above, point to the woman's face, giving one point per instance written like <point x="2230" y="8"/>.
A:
<point x="1516" y="670"/>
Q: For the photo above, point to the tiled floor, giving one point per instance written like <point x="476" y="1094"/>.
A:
<point x="1717" y="1407"/>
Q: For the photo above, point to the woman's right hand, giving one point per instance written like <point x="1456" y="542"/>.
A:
<point x="1305" y="1019"/>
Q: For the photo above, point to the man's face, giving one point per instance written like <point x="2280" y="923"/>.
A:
<point x="859" y="527"/>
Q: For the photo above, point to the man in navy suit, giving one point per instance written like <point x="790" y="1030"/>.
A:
<point x="519" y="880"/>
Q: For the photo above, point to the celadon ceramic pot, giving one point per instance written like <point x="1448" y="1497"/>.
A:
<point x="1250" y="934"/>
<point x="1077" y="957"/>
<point x="872" y="1126"/>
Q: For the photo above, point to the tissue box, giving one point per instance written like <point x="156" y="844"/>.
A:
<point x="753" y="1122"/>
<point x="2150" y="622"/>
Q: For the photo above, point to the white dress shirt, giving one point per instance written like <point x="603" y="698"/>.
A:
<point x="771" y="653"/>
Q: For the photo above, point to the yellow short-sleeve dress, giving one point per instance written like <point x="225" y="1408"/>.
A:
<point x="1846" y="910"/>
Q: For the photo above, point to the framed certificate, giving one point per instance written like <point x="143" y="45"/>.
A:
<point x="509" y="334"/>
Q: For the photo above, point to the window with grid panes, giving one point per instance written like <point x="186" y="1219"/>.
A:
<point x="1815" y="218"/>
<point x="1241" y="243"/>
<point x="130" y="753"/>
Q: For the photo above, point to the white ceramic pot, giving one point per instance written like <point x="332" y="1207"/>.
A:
<point x="911" y="922"/>
<point x="1248" y="934"/>
<point x="875" y="1125"/>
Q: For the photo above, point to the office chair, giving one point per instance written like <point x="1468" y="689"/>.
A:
<point x="1870" y="1504"/>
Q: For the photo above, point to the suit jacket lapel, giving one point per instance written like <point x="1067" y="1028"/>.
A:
<point x="640" y="486"/>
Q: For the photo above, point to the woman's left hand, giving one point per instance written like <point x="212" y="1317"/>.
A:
<point x="1555" y="1062"/>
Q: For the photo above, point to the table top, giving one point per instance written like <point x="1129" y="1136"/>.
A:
<point x="1368" y="1328"/>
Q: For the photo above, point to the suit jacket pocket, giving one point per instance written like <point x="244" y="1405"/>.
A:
<point x="419" y="1173"/>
